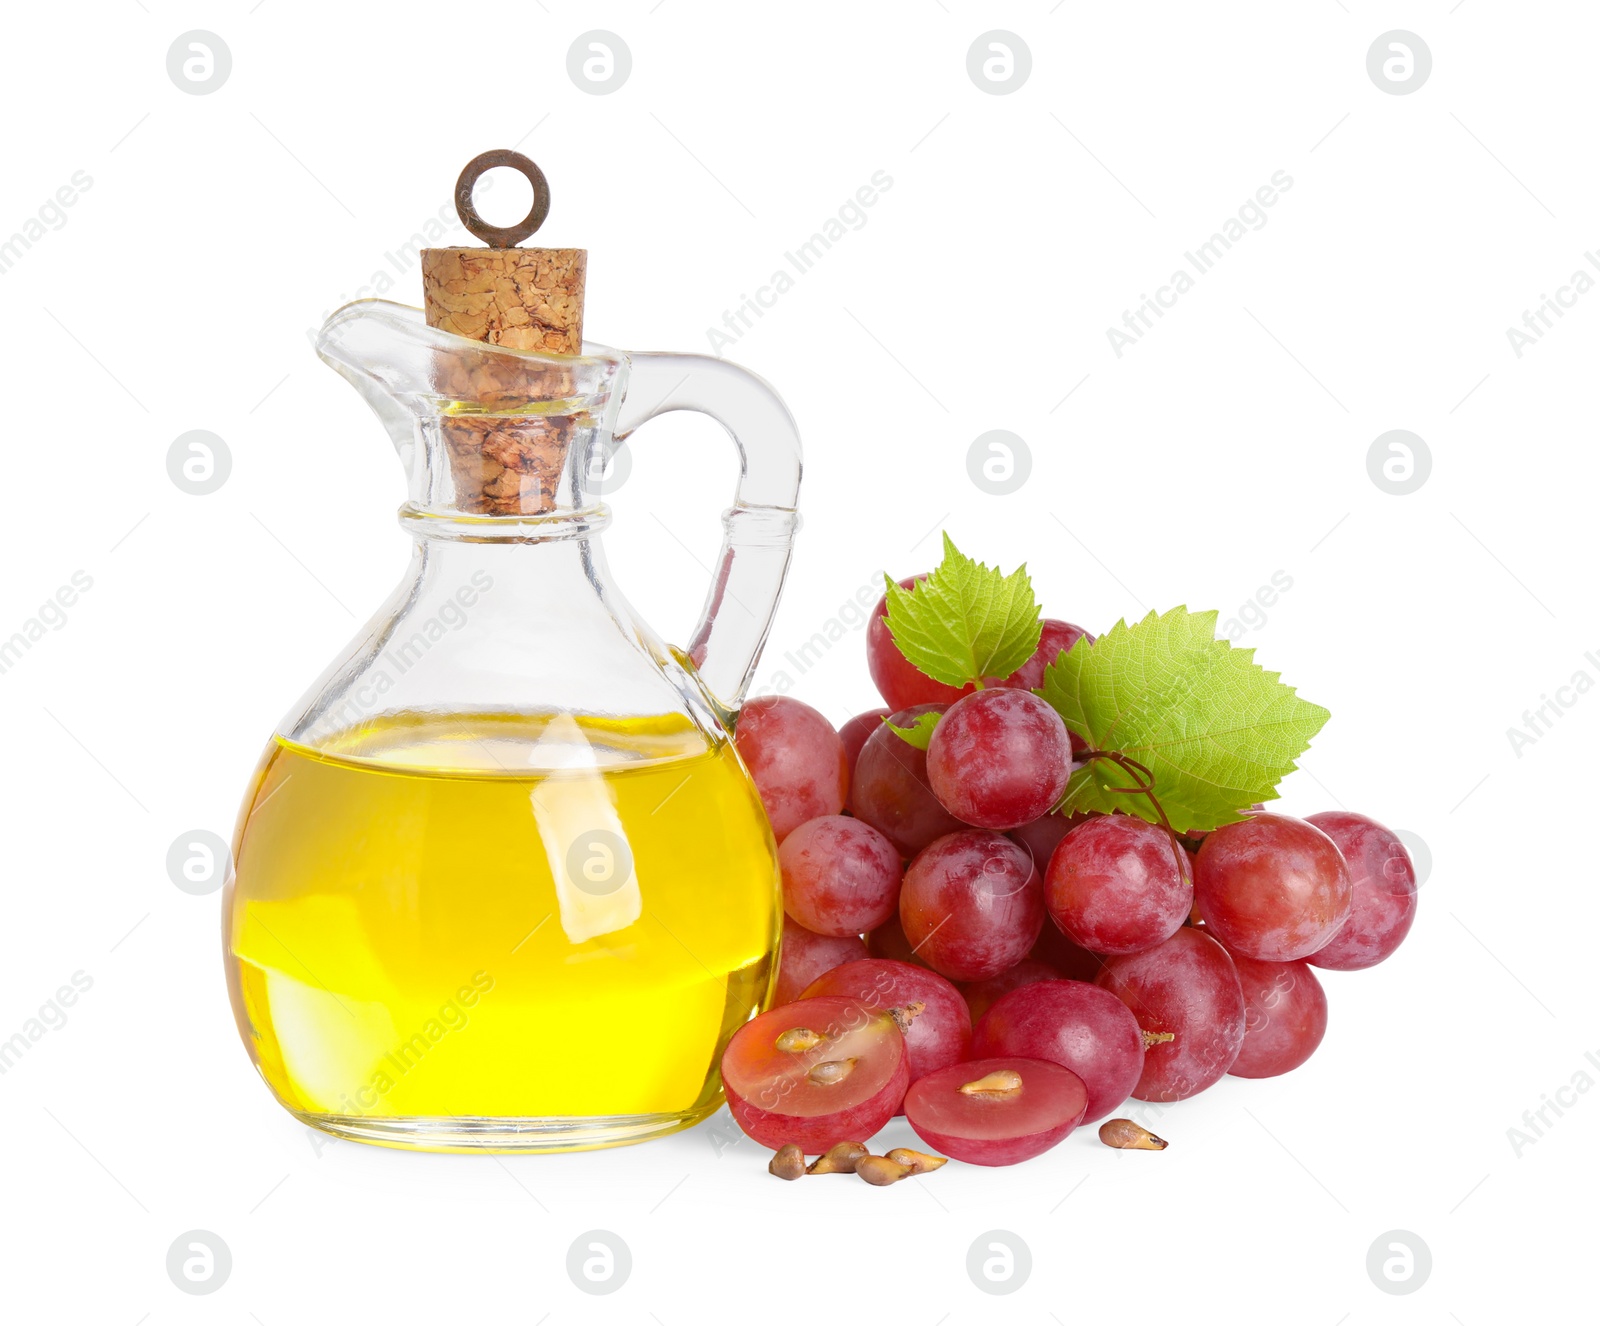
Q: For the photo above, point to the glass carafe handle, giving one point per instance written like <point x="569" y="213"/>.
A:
<point x="758" y="529"/>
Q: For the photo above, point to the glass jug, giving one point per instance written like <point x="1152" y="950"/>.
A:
<point x="501" y="881"/>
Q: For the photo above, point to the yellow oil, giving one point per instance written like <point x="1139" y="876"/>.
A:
<point x="500" y="932"/>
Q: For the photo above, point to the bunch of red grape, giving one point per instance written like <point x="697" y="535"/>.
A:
<point x="950" y="945"/>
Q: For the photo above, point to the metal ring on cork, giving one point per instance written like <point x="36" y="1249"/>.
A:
<point x="502" y="237"/>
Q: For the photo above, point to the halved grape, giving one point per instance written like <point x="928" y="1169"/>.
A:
<point x="890" y="789"/>
<point x="999" y="758"/>
<point x="855" y="732"/>
<point x="1272" y="887"/>
<point x="803" y="956"/>
<point x="972" y="905"/>
<point x="1186" y="986"/>
<point x="796" y="759"/>
<point x="901" y="684"/>
<point x="981" y="995"/>
<point x="940" y="1033"/>
<point x="815" y="1072"/>
<point x="1285" y="1016"/>
<point x="840" y="876"/>
<point x="996" y="1111"/>
<point x="1385" y="902"/>
<point x="1074" y="1024"/>
<point x="1113" y="885"/>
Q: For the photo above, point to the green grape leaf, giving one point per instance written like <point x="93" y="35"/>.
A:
<point x="919" y="734"/>
<point x="966" y="622"/>
<point x="1216" y="730"/>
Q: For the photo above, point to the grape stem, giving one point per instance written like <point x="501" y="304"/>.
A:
<point x="1144" y="785"/>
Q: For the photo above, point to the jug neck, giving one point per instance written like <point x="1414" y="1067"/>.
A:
<point x="448" y="525"/>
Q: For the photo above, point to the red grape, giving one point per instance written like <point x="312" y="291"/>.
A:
<point x="999" y="758"/>
<point x="972" y="905"/>
<point x="854" y="734"/>
<point x="981" y="996"/>
<point x="1027" y="1115"/>
<point x="1285" y="1016"/>
<point x="890" y="790"/>
<point x="1071" y="960"/>
<point x="937" y="1037"/>
<point x="889" y="941"/>
<point x="1076" y="1025"/>
<point x="1042" y="836"/>
<point x="840" y="876"/>
<point x="840" y="1083"/>
<point x="1192" y="838"/>
<point x="1187" y="986"/>
<point x="1055" y="636"/>
<point x="1385" y="892"/>
<point x="1113" y="885"/>
<point x="796" y="759"/>
<point x="803" y="957"/>
<point x="1272" y="887"/>
<point x="901" y="684"/>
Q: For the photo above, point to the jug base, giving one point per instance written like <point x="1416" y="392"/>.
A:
<point x="506" y="1134"/>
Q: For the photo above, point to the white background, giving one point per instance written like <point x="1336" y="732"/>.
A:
<point x="1229" y="444"/>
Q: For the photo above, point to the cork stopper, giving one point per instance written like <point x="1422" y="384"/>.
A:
<point x="505" y="463"/>
<point x="523" y="299"/>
